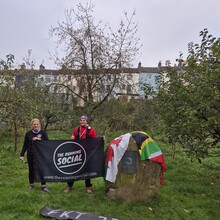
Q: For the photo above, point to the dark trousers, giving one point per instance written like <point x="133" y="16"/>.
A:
<point x="30" y="159"/>
<point x="87" y="183"/>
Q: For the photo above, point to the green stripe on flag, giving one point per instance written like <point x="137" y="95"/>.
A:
<point x="150" y="149"/>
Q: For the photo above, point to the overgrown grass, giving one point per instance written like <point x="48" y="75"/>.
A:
<point x="191" y="191"/>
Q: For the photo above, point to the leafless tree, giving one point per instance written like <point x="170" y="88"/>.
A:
<point x="93" y="52"/>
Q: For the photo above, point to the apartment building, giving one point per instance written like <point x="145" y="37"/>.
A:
<point x="125" y="83"/>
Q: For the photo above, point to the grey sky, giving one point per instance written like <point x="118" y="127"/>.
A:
<point x="164" y="26"/>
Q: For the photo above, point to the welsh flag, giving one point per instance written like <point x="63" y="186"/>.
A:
<point x="116" y="150"/>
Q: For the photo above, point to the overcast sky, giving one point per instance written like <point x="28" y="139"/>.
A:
<point x="164" y="26"/>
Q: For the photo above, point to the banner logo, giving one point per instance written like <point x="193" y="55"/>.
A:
<point x="69" y="157"/>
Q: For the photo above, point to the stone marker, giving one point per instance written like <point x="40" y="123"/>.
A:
<point x="136" y="180"/>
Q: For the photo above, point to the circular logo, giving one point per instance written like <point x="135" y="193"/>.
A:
<point x="69" y="157"/>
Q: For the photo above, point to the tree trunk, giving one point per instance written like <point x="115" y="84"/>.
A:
<point x="15" y="135"/>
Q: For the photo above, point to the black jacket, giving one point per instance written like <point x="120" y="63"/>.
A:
<point x="28" y="143"/>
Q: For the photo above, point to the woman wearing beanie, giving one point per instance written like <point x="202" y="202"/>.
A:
<point x="83" y="131"/>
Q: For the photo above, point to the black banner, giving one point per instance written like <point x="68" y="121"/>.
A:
<point x="48" y="212"/>
<point x="62" y="161"/>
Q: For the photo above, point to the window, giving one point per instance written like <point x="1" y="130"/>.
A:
<point x="129" y="76"/>
<point x="47" y="79"/>
<point x="55" y="89"/>
<point x="108" y="88"/>
<point x="129" y="89"/>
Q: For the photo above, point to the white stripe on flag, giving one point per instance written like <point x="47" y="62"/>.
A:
<point x="119" y="151"/>
<point x="158" y="153"/>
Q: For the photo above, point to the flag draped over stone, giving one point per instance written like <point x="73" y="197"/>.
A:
<point x="115" y="152"/>
<point x="147" y="147"/>
<point x="150" y="150"/>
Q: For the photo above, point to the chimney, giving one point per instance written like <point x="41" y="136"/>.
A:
<point x="6" y="67"/>
<point x="42" y="67"/>
<point x="160" y="64"/>
<point x="139" y="66"/>
<point x="22" y="66"/>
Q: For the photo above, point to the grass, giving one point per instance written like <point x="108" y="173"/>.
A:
<point x="191" y="191"/>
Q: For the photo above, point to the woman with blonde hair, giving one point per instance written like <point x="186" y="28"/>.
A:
<point x="35" y="134"/>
